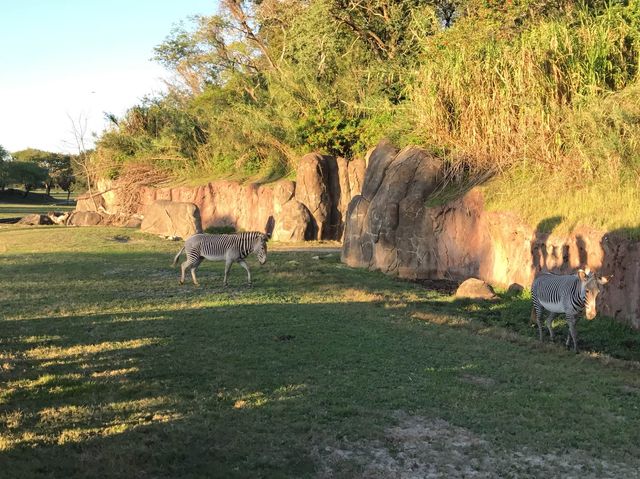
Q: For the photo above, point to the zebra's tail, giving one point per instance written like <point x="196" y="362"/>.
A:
<point x="175" y="260"/>
<point x="268" y="229"/>
<point x="533" y="319"/>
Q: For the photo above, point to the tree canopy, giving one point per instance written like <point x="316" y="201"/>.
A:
<point x="57" y="165"/>
<point x="488" y="84"/>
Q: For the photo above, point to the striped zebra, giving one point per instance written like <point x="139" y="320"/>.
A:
<point x="570" y="294"/>
<point x="230" y="248"/>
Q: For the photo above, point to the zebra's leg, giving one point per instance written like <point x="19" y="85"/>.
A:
<point x="183" y="269"/>
<point x="193" y="271"/>
<point x="549" y="323"/>
<point x="244" y="264"/>
<point x="227" y="267"/>
<point x="538" y="313"/>
<point x="573" y="333"/>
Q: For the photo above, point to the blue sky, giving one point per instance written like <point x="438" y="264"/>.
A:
<point x="78" y="59"/>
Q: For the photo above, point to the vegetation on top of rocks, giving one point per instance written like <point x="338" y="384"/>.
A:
<point x="218" y="230"/>
<point x="539" y="94"/>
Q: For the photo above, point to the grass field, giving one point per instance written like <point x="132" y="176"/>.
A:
<point x="35" y="202"/>
<point x="110" y="369"/>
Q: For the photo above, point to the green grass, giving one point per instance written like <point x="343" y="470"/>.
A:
<point x="108" y="368"/>
<point x="35" y="202"/>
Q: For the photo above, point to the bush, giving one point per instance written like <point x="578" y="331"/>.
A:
<point x="219" y="230"/>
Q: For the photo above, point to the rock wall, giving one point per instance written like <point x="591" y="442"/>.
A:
<point x="389" y="227"/>
<point x="314" y="207"/>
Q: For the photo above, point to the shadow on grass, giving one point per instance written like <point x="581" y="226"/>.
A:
<point x="250" y="390"/>
<point x="603" y="335"/>
<point x="109" y="368"/>
<point x="197" y="389"/>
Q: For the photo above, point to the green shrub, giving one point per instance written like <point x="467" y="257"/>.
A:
<point x="219" y="230"/>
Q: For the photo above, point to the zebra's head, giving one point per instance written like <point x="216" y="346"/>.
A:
<point x="260" y="248"/>
<point x="591" y="285"/>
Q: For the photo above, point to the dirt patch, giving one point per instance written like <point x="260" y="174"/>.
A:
<point x="421" y="448"/>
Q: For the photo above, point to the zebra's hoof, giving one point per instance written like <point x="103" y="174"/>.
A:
<point x="181" y="283"/>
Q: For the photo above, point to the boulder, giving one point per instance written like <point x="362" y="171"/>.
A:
<point x="283" y="191"/>
<point x="133" y="222"/>
<point x="474" y="288"/>
<point x="515" y="289"/>
<point x="168" y="218"/>
<point x="378" y="160"/>
<point x="293" y="223"/>
<point x="355" y="171"/>
<point x="386" y="226"/>
<point x="90" y="203"/>
<point x="85" y="218"/>
<point x="312" y="190"/>
<point x="35" y="219"/>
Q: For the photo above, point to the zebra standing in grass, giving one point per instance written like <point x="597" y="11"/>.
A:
<point x="569" y="294"/>
<point x="232" y="248"/>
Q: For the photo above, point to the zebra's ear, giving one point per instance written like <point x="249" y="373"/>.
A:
<point x="604" y="279"/>
<point x="582" y="275"/>
<point x="268" y="229"/>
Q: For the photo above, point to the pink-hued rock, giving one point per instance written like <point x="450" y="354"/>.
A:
<point x="293" y="223"/>
<point x="313" y="191"/>
<point x="325" y="186"/>
<point x="474" y="288"/>
<point x="390" y="228"/>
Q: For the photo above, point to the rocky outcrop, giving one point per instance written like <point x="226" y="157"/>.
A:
<point x="314" y="207"/>
<point x="170" y="218"/>
<point x="314" y="181"/>
<point x="390" y="227"/>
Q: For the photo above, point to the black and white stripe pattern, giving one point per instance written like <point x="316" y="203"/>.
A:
<point x="565" y="294"/>
<point x="230" y="248"/>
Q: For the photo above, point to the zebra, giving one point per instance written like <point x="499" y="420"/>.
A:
<point x="232" y="248"/>
<point x="570" y="294"/>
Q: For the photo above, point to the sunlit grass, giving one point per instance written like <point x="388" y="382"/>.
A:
<point x="109" y="367"/>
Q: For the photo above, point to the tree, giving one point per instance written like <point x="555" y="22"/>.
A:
<point x="4" y="169"/>
<point x="56" y="164"/>
<point x="26" y="173"/>
<point x="82" y="160"/>
<point x="67" y="181"/>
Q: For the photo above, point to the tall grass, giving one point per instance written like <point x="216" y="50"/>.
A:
<point x="497" y="97"/>
<point x="552" y="110"/>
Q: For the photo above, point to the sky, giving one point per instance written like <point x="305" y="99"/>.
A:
<point x="69" y="61"/>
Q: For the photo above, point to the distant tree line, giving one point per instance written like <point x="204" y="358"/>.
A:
<point x="32" y="168"/>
